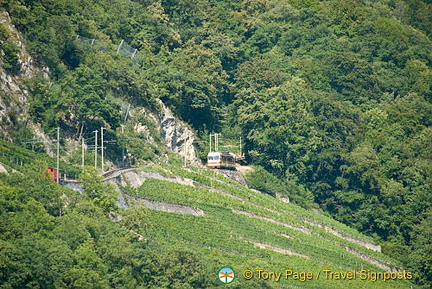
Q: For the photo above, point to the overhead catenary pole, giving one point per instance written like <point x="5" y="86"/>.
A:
<point x="210" y="142"/>
<point x="96" y="134"/>
<point x="126" y="113"/>
<point x="102" y="149"/>
<point x="123" y="146"/>
<point x="82" y="152"/>
<point x="216" y="142"/>
<point x="58" y="155"/>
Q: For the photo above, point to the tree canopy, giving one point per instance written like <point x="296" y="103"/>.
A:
<point x="335" y="95"/>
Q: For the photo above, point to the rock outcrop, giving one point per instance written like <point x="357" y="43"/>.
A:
<point x="177" y="136"/>
<point x="13" y="96"/>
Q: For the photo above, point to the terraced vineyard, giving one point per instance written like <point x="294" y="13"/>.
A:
<point x="196" y="222"/>
<point x="16" y="157"/>
<point x="248" y="230"/>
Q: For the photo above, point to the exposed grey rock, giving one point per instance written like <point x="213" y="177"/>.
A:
<point x="76" y="186"/>
<point x="3" y="170"/>
<point x="236" y="176"/>
<point x="13" y="100"/>
<point x="121" y="201"/>
<point x="165" y="207"/>
<point x="177" y="136"/>
<point x="132" y="179"/>
<point x="135" y="178"/>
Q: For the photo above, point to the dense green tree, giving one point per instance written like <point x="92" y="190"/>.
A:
<point x="103" y="195"/>
<point x="257" y="74"/>
<point x="421" y="250"/>
<point x="195" y="85"/>
<point x="9" y="56"/>
<point x="332" y="97"/>
<point x="418" y="12"/>
<point x="176" y="268"/>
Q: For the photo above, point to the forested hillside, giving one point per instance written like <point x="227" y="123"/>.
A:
<point x="334" y="98"/>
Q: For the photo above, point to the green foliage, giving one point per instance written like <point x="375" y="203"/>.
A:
<point x="78" y="99"/>
<point x="82" y="247"/>
<point x="330" y="96"/>
<point x="137" y="219"/>
<point x="417" y="12"/>
<point x="212" y="230"/>
<point x="9" y="51"/>
<point x="140" y="139"/>
<point x="22" y="159"/>
<point x="78" y="248"/>
<point x="178" y="267"/>
<point x="195" y="85"/>
<point x="100" y="194"/>
<point x="421" y="250"/>
<point x="10" y="57"/>
<point x="264" y="181"/>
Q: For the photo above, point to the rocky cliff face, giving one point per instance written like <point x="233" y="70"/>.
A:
<point x="13" y="94"/>
<point x="177" y="136"/>
<point x="162" y="129"/>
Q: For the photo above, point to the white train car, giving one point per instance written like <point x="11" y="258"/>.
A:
<point x="221" y="160"/>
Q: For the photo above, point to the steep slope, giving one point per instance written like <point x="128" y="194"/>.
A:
<point x="332" y="97"/>
<point x="165" y="209"/>
<point x="17" y="67"/>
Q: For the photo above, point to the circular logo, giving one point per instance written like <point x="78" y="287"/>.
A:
<point x="226" y="275"/>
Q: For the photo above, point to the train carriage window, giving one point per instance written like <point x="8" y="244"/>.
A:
<point x="213" y="158"/>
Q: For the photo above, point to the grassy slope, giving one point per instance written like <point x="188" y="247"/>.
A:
<point x="16" y="156"/>
<point x="230" y="237"/>
<point x="237" y="220"/>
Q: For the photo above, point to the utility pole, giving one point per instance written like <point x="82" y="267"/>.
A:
<point x="58" y="155"/>
<point x="82" y="152"/>
<point x="102" y="149"/>
<point x="216" y="142"/>
<point x="96" y="134"/>
<point x="241" y="146"/>
<point x="123" y="145"/>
